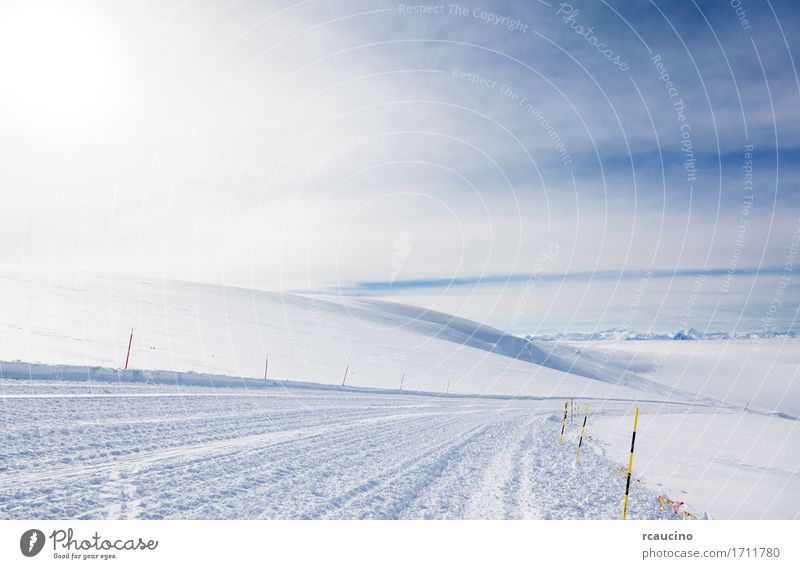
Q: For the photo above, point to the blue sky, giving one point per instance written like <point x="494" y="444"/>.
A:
<point x="433" y="157"/>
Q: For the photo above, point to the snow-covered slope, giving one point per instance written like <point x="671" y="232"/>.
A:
<point x="759" y="375"/>
<point x="231" y="331"/>
<point x="193" y="430"/>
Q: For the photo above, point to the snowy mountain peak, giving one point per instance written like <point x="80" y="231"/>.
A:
<point x="622" y="334"/>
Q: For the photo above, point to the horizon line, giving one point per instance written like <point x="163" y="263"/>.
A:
<point x="429" y="283"/>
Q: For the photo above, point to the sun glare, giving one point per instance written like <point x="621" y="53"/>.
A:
<point x="56" y="62"/>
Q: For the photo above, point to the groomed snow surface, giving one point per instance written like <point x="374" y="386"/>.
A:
<point x="206" y="437"/>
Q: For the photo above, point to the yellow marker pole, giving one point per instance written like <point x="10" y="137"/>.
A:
<point x="563" y="423"/>
<point x="580" y="442"/>
<point x="630" y="465"/>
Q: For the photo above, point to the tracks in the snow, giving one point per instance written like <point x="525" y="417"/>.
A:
<point x="320" y="456"/>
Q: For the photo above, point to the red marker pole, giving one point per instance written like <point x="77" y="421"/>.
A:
<point x="130" y="341"/>
<point x="266" y="367"/>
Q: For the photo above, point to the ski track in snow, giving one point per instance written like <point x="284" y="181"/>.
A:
<point x="300" y="454"/>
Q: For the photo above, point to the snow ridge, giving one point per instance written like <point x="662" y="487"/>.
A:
<point x="623" y="334"/>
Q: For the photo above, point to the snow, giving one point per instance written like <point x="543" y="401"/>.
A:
<point x="230" y="331"/>
<point x="737" y="466"/>
<point x="761" y="375"/>
<point x="128" y="450"/>
<point x="193" y="430"/>
<point x="615" y="334"/>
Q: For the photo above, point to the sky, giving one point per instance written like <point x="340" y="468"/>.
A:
<point x="539" y="166"/>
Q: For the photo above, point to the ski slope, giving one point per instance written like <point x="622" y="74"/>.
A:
<point x="193" y="430"/>
<point x="231" y="331"/>
<point x="126" y="450"/>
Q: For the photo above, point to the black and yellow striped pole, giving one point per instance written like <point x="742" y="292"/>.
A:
<point x="630" y="466"/>
<point x="563" y="423"/>
<point x="580" y="442"/>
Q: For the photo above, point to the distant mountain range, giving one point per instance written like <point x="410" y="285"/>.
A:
<point x="618" y="334"/>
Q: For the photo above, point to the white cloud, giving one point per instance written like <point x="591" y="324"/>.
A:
<point x="288" y="146"/>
